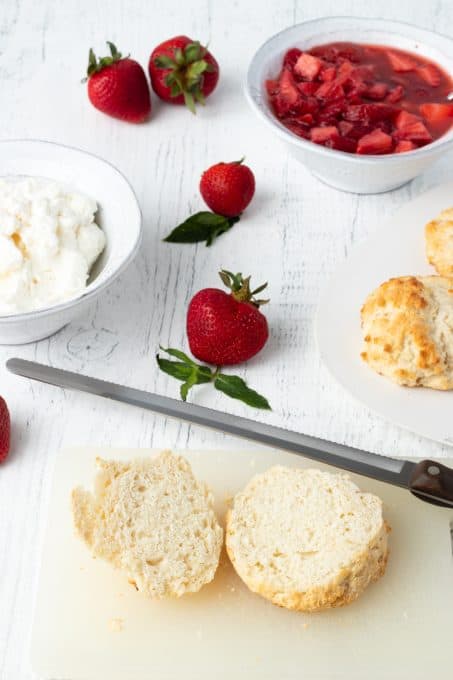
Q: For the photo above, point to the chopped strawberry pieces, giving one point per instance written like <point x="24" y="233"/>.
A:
<point x="362" y="99"/>
<point x="430" y="74"/>
<point x="375" y="142"/>
<point x="319" y="135"/>
<point x="405" y="118"/>
<point x="291" y="57"/>
<point x="395" y="94"/>
<point x="436" y="113"/>
<point x="288" y="88"/>
<point x="308" y="88"/>
<point x="329" y="91"/>
<point x="416" y="132"/>
<point x="400" y="62"/>
<point x="405" y="145"/>
<point x="377" y="91"/>
<point x="328" y="74"/>
<point x="307" y="66"/>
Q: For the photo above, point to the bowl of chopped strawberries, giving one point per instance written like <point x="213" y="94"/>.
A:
<point x="365" y="104"/>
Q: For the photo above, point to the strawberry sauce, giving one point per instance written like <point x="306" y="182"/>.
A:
<point x="365" y="99"/>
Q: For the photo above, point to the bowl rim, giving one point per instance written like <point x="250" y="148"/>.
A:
<point x="305" y="144"/>
<point x="96" y="289"/>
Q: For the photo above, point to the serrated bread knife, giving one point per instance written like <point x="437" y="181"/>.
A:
<point x="427" y="479"/>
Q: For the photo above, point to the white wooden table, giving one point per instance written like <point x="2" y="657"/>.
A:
<point x="293" y="235"/>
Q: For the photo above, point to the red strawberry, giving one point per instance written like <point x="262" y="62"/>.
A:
<point x="5" y="430"/>
<point x="405" y="145"/>
<point x="374" y="143"/>
<point x="118" y="87"/>
<point x="401" y="62"/>
<point x="430" y="74"/>
<point x="308" y="66"/>
<point x="182" y="71"/>
<point x="437" y="113"/>
<point x="225" y="329"/>
<point x="228" y="188"/>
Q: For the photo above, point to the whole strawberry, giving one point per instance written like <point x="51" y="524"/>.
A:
<point x="228" y="188"/>
<point x="118" y="87"/>
<point x="227" y="328"/>
<point x="5" y="430"/>
<point x="182" y="71"/>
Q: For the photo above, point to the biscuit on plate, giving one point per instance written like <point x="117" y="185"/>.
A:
<point x="306" y="539"/>
<point x="439" y="242"/>
<point x="154" y="520"/>
<point x="407" y="326"/>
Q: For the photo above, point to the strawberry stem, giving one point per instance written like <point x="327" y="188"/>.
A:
<point x="95" y="65"/>
<point x="240" y="288"/>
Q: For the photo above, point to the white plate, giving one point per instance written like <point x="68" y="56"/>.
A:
<point x="396" y="249"/>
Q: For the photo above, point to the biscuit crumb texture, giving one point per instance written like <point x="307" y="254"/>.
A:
<point x="154" y="520"/>
<point x="439" y="242"/>
<point x="306" y="539"/>
<point x="407" y="326"/>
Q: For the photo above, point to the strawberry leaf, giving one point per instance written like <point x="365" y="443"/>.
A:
<point x="163" y="61"/>
<point x="203" y="226"/>
<point x="236" y="388"/>
<point x="193" y="52"/>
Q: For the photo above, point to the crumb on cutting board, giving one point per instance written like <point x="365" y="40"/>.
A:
<point x="116" y="625"/>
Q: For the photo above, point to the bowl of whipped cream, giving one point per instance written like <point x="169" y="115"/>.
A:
<point x="70" y="224"/>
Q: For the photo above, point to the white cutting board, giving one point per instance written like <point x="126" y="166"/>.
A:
<point x="90" y="624"/>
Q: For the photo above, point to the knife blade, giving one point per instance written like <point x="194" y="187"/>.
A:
<point x="429" y="480"/>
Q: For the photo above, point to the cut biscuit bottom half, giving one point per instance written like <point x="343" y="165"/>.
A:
<point x="154" y="520"/>
<point x="305" y="539"/>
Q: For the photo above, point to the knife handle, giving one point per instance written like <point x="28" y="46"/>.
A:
<point x="432" y="482"/>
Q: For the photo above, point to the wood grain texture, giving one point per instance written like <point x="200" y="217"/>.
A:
<point x="293" y="235"/>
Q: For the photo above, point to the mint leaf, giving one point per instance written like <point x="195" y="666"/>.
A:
<point x="236" y="388"/>
<point x="188" y="371"/>
<point x="181" y="355"/>
<point x="203" y="226"/>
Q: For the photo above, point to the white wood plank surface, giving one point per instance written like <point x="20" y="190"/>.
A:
<point x="292" y="235"/>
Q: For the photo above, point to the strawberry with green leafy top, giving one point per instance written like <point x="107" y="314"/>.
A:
<point x="223" y="329"/>
<point x="182" y="71"/>
<point x="117" y="86"/>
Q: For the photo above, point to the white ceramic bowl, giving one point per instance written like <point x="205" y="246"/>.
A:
<point x="345" y="171"/>
<point x="118" y="215"/>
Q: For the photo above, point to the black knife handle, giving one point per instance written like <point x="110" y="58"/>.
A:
<point x="432" y="482"/>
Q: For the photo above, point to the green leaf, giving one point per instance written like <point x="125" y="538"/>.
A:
<point x="189" y="101"/>
<point x="188" y="371"/>
<point x="203" y="226"/>
<point x="190" y="382"/>
<point x="194" y="73"/>
<point x="193" y="52"/>
<point x="163" y="61"/>
<point x="180" y="355"/>
<point x="116" y="56"/>
<point x="259" y="289"/>
<point x="179" y="56"/>
<point x="176" y="369"/>
<point x="236" y="388"/>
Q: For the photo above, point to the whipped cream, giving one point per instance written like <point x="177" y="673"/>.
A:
<point x="48" y="243"/>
